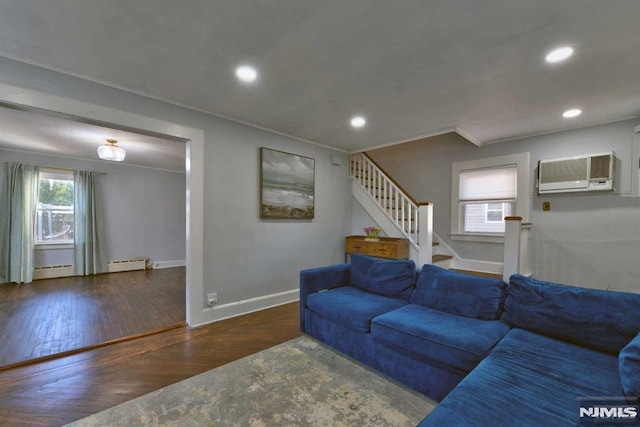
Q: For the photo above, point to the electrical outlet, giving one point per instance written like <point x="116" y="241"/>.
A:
<point x="212" y="299"/>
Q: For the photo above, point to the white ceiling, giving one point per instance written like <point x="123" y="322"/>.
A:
<point x="34" y="132"/>
<point x="413" y="68"/>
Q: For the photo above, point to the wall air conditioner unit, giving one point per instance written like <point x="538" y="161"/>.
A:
<point x="585" y="173"/>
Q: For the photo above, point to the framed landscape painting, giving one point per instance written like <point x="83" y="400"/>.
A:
<point x="287" y="185"/>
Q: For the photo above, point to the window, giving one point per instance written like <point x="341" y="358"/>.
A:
<point x="486" y="191"/>
<point x="54" y="211"/>
<point x="486" y="197"/>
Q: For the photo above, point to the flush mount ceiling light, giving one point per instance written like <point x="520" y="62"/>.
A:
<point x="358" y="121"/>
<point x="246" y="73"/>
<point x="574" y="112"/>
<point x="110" y="151"/>
<point x="559" y="54"/>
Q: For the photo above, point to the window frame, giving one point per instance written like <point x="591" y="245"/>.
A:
<point x="62" y="175"/>
<point x="522" y="200"/>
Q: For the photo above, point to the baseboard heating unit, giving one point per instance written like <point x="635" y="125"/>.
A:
<point x="53" y="271"/>
<point x="127" y="265"/>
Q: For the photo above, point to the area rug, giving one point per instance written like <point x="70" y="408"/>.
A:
<point x="299" y="383"/>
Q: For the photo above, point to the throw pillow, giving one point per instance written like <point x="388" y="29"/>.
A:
<point x="459" y="293"/>
<point x="392" y="278"/>
<point x="629" y="367"/>
<point x="593" y="318"/>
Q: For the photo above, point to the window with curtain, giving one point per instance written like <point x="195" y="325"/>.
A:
<point x="17" y="220"/>
<point x="89" y="246"/>
<point x="486" y="196"/>
<point x="49" y="207"/>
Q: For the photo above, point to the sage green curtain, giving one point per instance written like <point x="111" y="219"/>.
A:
<point x="90" y="254"/>
<point x="17" y="223"/>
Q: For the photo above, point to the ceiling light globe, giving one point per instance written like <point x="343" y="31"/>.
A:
<point x="111" y="152"/>
<point x="558" y="55"/>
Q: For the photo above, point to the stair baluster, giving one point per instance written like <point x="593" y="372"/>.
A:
<point x="399" y="207"/>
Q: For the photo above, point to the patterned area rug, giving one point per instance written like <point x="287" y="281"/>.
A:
<point x="298" y="383"/>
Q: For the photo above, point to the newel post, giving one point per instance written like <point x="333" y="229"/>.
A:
<point x="425" y="234"/>
<point x="512" y="247"/>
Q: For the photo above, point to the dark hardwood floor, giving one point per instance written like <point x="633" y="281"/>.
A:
<point x="59" y="391"/>
<point x="55" y="316"/>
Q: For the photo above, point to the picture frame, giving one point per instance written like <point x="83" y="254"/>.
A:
<point x="287" y="185"/>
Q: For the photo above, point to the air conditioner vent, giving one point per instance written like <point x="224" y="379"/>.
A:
<point x="600" y="167"/>
<point x="585" y="173"/>
<point x="564" y="170"/>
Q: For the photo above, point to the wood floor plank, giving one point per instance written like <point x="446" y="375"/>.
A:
<point x="58" y="315"/>
<point x="63" y="390"/>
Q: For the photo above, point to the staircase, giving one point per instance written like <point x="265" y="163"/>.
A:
<point x="443" y="260"/>
<point x="395" y="211"/>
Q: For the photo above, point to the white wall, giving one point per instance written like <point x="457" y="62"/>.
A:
<point x="361" y="219"/>
<point x="248" y="257"/>
<point x="144" y="209"/>
<point x="589" y="240"/>
<point x="244" y="257"/>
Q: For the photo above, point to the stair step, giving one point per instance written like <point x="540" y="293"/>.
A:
<point x="479" y="273"/>
<point x="440" y="258"/>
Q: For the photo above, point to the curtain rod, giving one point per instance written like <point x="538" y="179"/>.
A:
<point x="61" y="169"/>
<point x="66" y="169"/>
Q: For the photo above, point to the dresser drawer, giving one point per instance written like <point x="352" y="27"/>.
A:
<point x="386" y="247"/>
<point x="383" y="250"/>
<point x="355" y="246"/>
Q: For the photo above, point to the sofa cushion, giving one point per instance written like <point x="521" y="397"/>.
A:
<point x="459" y="293"/>
<point x="450" y="340"/>
<point x="602" y="320"/>
<point x="528" y="380"/>
<point x="629" y="367"/>
<point x="351" y="307"/>
<point x="392" y="278"/>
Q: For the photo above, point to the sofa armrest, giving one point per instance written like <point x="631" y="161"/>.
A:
<point x="321" y="278"/>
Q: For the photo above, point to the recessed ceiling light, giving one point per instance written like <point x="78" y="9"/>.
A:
<point x="559" y="54"/>
<point x="358" y="121"/>
<point x="574" y="112"/>
<point x="246" y="73"/>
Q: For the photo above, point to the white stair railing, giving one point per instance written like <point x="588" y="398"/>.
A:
<point x="413" y="219"/>
<point x="516" y="247"/>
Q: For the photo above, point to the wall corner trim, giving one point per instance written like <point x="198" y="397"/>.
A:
<point x="169" y="263"/>
<point x="238" y="308"/>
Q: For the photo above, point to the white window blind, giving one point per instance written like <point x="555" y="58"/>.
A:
<point x="488" y="184"/>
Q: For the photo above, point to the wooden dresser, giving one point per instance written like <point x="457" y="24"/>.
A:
<point x="385" y="247"/>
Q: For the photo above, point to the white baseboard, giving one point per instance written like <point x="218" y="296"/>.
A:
<point x="238" y="308"/>
<point x="169" y="264"/>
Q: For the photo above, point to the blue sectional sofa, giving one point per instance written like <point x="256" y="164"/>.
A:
<point x="491" y="354"/>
